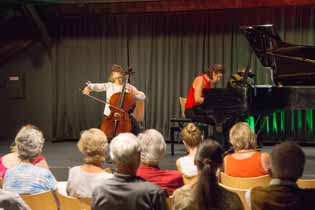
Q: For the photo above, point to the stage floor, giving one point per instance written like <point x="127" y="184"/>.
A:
<point x="62" y="155"/>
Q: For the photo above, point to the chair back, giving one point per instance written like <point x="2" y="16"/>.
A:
<point x="244" y="183"/>
<point x="189" y="180"/>
<point x="306" y="183"/>
<point x="70" y="203"/>
<point x="169" y="202"/>
<point x="182" y="101"/>
<point x="240" y="193"/>
<point x="40" y="201"/>
<point x="138" y="112"/>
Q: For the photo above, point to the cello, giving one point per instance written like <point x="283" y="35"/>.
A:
<point x="121" y="105"/>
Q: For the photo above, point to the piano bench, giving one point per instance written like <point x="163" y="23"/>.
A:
<point x="177" y="125"/>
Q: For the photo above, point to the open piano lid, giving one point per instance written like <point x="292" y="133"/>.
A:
<point x="291" y="64"/>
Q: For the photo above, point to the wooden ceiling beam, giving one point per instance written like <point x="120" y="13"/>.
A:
<point x="94" y="7"/>
<point x="31" y="13"/>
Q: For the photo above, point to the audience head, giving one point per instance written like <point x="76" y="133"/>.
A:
<point x="153" y="147"/>
<point x="125" y="152"/>
<point x="242" y="137"/>
<point x="29" y="143"/>
<point x="93" y="145"/>
<point x="191" y="135"/>
<point x="287" y="161"/>
<point x="208" y="159"/>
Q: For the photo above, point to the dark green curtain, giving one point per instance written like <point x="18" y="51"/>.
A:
<point x="165" y="50"/>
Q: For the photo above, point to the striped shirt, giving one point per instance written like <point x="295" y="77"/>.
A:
<point x="26" y="178"/>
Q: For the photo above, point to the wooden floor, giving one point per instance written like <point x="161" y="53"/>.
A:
<point x="62" y="155"/>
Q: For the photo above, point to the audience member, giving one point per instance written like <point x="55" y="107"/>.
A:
<point x="82" y="179"/>
<point x="125" y="190"/>
<point x="191" y="136"/>
<point x="153" y="149"/>
<point x="11" y="159"/>
<point x="287" y="165"/>
<point x="25" y="177"/>
<point x="245" y="161"/>
<point x="12" y="201"/>
<point x="206" y="193"/>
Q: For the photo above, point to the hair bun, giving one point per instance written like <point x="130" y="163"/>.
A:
<point x="191" y="128"/>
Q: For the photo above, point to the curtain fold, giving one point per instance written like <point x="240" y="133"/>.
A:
<point x="166" y="52"/>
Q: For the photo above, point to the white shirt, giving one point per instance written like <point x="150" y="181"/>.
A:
<point x="111" y="89"/>
<point x="188" y="167"/>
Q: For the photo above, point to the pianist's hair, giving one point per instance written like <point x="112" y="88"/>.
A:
<point x="242" y="137"/>
<point x="191" y="135"/>
<point x="215" y="68"/>
<point x="208" y="159"/>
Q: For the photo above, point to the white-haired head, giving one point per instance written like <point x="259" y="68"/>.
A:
<point x="29" y="142"/>
<point x="124" y="151"/>
<point x="153" y="147"/>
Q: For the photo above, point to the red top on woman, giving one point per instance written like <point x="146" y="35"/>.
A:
<point x="190" y="100"/>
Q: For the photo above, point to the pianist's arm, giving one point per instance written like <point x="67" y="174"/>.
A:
<point x="198" y="85"/>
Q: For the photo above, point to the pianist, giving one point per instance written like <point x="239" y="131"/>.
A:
<point x="201" y="82"/>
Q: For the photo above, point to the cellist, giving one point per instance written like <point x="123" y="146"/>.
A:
<point x="115" y="85"/>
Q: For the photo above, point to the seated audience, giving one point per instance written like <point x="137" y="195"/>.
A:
<point x="153" y="148"/>
<point x="11" y="201"/>
<point x="191" y="136"/>
<point x="287" y="165"/>
<point x="245" y="161"/>
<point x="206" y="193"/>
<point x="82" y="179"/>
<point x="25" y="177"/>
<point x="11" y="159"/>
<point x="125" y="190"/>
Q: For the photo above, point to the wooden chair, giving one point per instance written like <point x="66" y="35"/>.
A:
<point x="182" y="102"/>
<point x="138" y="113"/>
<point x="108" y="170"/>
<point x="169" y="202"/>
<point x="189" y="180"/>
<point x="1" y="182"/>
<point x="240" y="192"/>
<point x="306" y="183"/>
<point x="244" y="183"/>
<point x="40" y="201"/>
<point x="71" y="203"/>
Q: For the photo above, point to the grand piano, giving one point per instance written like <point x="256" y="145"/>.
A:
<point x="292" y="69"/>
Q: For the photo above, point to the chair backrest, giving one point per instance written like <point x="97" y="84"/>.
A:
<point x="189" y="180"/>
<point x="240" y="192"/>
<point x="182" y="101"/>
<point x="138" y="112"/>
<point x="306" y="183"/>
<point x="40" y="201"/>
<point x="244" y="183"/>
<point x="71" y="203"/>
<point x="169" y="202"/>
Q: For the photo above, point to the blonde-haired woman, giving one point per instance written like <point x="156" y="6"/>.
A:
<point x="246" y="161"/>
<point x="191" y="136"/>
<point x="115" y="85"/>
<point x="82" y="179"/>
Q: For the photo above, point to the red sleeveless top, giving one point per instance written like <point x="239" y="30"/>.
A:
<point x="190" y="100"/>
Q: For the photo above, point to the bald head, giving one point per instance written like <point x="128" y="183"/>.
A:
<point x="287" y="161"/>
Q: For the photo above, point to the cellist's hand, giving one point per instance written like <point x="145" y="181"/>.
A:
<point x="86" y="90"/>
<point x="130" y="90"/>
